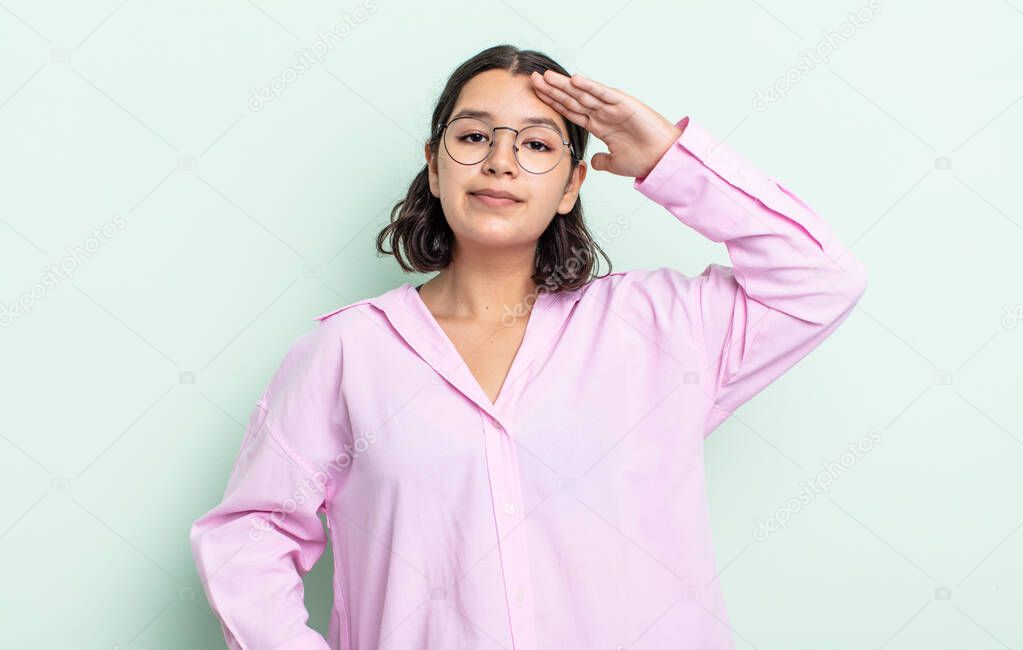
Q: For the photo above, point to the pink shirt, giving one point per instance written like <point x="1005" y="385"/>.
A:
<point x="569" y="514"/>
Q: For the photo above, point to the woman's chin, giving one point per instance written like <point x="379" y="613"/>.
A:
<point x="496" y="232"/>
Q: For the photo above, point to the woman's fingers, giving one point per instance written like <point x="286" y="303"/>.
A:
<point x="596" y="90"/>
<point x="561" y="88"/>
<point x="575" y="116"/>
<point x="540" y="84"/>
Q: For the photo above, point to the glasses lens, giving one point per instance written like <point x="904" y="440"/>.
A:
<point x="468" y="141"/>
<point x="539" y="148"/>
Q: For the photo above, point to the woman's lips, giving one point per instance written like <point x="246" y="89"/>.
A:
<point x="493" y="201"/>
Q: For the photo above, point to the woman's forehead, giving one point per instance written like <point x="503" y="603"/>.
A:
<point x="506" y="99"/>
<point x="522" y="121"/>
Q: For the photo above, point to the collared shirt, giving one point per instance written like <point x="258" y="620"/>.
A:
<point x="570" y="513"/>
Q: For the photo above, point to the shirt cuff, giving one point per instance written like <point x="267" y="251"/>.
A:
<point x="699" y="154"/>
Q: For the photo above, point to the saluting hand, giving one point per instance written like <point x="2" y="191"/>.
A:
<point x="636" y="135"/>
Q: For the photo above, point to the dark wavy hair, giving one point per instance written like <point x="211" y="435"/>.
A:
<point x="419" y="236"/>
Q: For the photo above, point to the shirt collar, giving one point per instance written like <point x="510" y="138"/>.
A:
<point x="413" y="322"/>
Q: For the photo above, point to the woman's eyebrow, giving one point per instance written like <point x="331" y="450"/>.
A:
<point x="472" y="112"/>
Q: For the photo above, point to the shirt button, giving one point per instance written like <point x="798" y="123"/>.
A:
<point x="509" y="509"/>
<point x="519" y="596"/>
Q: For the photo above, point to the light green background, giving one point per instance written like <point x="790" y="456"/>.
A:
<point x="126" y="388"/>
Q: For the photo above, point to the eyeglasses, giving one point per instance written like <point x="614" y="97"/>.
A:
<point x="538" y="149"/>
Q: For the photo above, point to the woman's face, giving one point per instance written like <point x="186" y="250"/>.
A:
<point x="510" y="100"/>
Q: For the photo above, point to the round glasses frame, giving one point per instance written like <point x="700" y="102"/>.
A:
<point x="515" y="150"/>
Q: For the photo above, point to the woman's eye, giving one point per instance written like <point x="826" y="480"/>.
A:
<point x="543" y="147"/>
<point x="473" y="135"/>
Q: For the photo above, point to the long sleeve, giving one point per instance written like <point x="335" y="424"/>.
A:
<point x="791" y="282"/>
<point x="253" y="548"/>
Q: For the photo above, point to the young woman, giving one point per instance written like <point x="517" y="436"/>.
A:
<point x="511" y="454"/>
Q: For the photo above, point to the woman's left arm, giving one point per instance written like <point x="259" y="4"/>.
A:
<point x="791" y="282"/>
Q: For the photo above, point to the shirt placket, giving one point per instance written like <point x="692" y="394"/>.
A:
<point x="413" y="321"/>
<point x="512" y="545"/>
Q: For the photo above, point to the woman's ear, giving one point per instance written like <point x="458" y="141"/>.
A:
<point x="431" y="168"/>
<point x="575" y="181"/>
